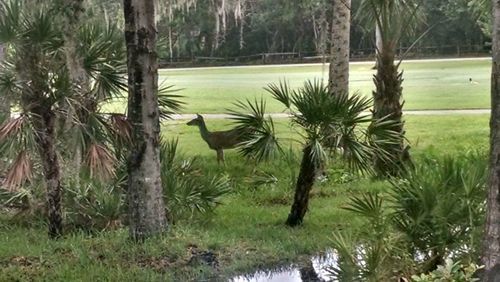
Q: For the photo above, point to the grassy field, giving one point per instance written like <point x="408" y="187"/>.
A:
<point x="427" y="84"/>
<point x="246" y="232"/>
<point x="426" y="134"/>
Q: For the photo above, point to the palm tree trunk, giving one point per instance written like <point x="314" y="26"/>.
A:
<point x="4" y="101"/>
<point x="44" y="125"/>
<point x="305" y="182"/>
<point x="145" y="198"/>
<point x="338" y="81"/>
<point x="491" y="242"/>
<point x="387" y="102"/>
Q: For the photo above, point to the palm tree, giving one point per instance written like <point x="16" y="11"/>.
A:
<point x="393" y="19"/>
<point x="491" y="251"/>
<point x="338" y="81"/>
<point x="331" y="125"/>
<point x="146" y="205"/>
<point x="35" y="76"/>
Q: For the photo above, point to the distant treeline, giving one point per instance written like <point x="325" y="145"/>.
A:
<point x="239" y="30"/>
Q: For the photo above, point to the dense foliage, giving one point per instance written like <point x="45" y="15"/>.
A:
<point x="189" y="28"/>
<point x="431" y="215"/>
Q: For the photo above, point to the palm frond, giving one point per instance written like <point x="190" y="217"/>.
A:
<point x="369" y="205"/>
<point x="346" y="268"/>
<point x="103" y="54"/>
<point x="121" y="127"/>
<point x="384" y="136"/>
<point x="281" y="93"/>
<point x="12" y="126"/>
<point x="168" y="152"/>
<point x="19" y="172"/>
<point x="249" y="115"/>
<point x="169" y="103"/>
<point x="318" y="152"/>
<point x="260" y="144"/>
<point x="187" y="191"/>
<point x="358" y="156"/>
<point x="394" y="17"/>
<point x="257" y="132"/>
<point x="40" y="30"/>
<point x="10" y="20"/>
<point x="101" y="161"/>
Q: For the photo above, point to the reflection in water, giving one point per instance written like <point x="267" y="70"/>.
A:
<point x="312" y="270"/>
<point x="308" y="273"/>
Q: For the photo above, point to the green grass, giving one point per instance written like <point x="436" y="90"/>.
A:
<point x="245" y="233"/>
<point x="427" y="85"/>
<point x="438" y="134"/>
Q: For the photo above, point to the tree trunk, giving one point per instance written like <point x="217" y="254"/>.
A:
<point x="4" y="101"/>
<point x="387" y="102"/>
<point x="42" y="118"/>
<point x="305" y="182"/>
<point x="73" y="9"/>
<point x="44" y="126"/>
<point x="145" y="198"/>
<point x="491" y="250"/>
<point x="338" y="81"/>
<point x="378" y="39"/>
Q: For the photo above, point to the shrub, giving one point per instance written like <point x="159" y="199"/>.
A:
<point x="432" y="214"/>
<point x="439" y="207"/>
<point x="450" y="272"/>
<point x="186" y="189"/>
<point x="95" y="205"/>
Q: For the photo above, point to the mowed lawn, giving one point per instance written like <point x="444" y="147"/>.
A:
<point x="427" y="135"/>
<point x="428" y="84"/>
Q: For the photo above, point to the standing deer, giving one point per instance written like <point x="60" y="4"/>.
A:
<point x="218" y="140"/>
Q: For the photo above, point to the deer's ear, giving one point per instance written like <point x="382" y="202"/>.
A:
<point x="199" y="116"/>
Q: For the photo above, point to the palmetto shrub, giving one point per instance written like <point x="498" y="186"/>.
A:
<point x="186" y="189"/>
<point x="434" y="213"/>
<point x="95" y="204"/>
<point x="439" y="207"/>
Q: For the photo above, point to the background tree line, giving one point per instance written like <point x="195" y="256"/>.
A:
<point x="227" y="28"/>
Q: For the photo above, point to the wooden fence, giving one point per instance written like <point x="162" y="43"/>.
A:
<point x="355" y="54"/>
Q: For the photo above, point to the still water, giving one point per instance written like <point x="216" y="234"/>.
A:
<point x="312" y="270"/>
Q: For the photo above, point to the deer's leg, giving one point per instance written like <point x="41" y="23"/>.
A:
<point x="220" y="156"/>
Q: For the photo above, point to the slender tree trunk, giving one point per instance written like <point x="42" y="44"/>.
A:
<point x="170" y="33"/>
<point x="43" y="119"/>
<point x="338" y="81"/>
<point x="378" y="39"/>
<point x="305" y="182"/>
<point x="73" y="10"/>
<point x="44" y="125"/>
<point x="145" y="198"/>
<point x="71" y="20"/>
<point x="387" y="102"/>
<point x="491" y="250"/>
<point x="4" y="106"/>
<point x="4" y="101"/>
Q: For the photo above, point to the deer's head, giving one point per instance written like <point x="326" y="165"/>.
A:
<point x="197" y="121"/>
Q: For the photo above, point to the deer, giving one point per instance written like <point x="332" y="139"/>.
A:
<point x="217" y="140"/>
